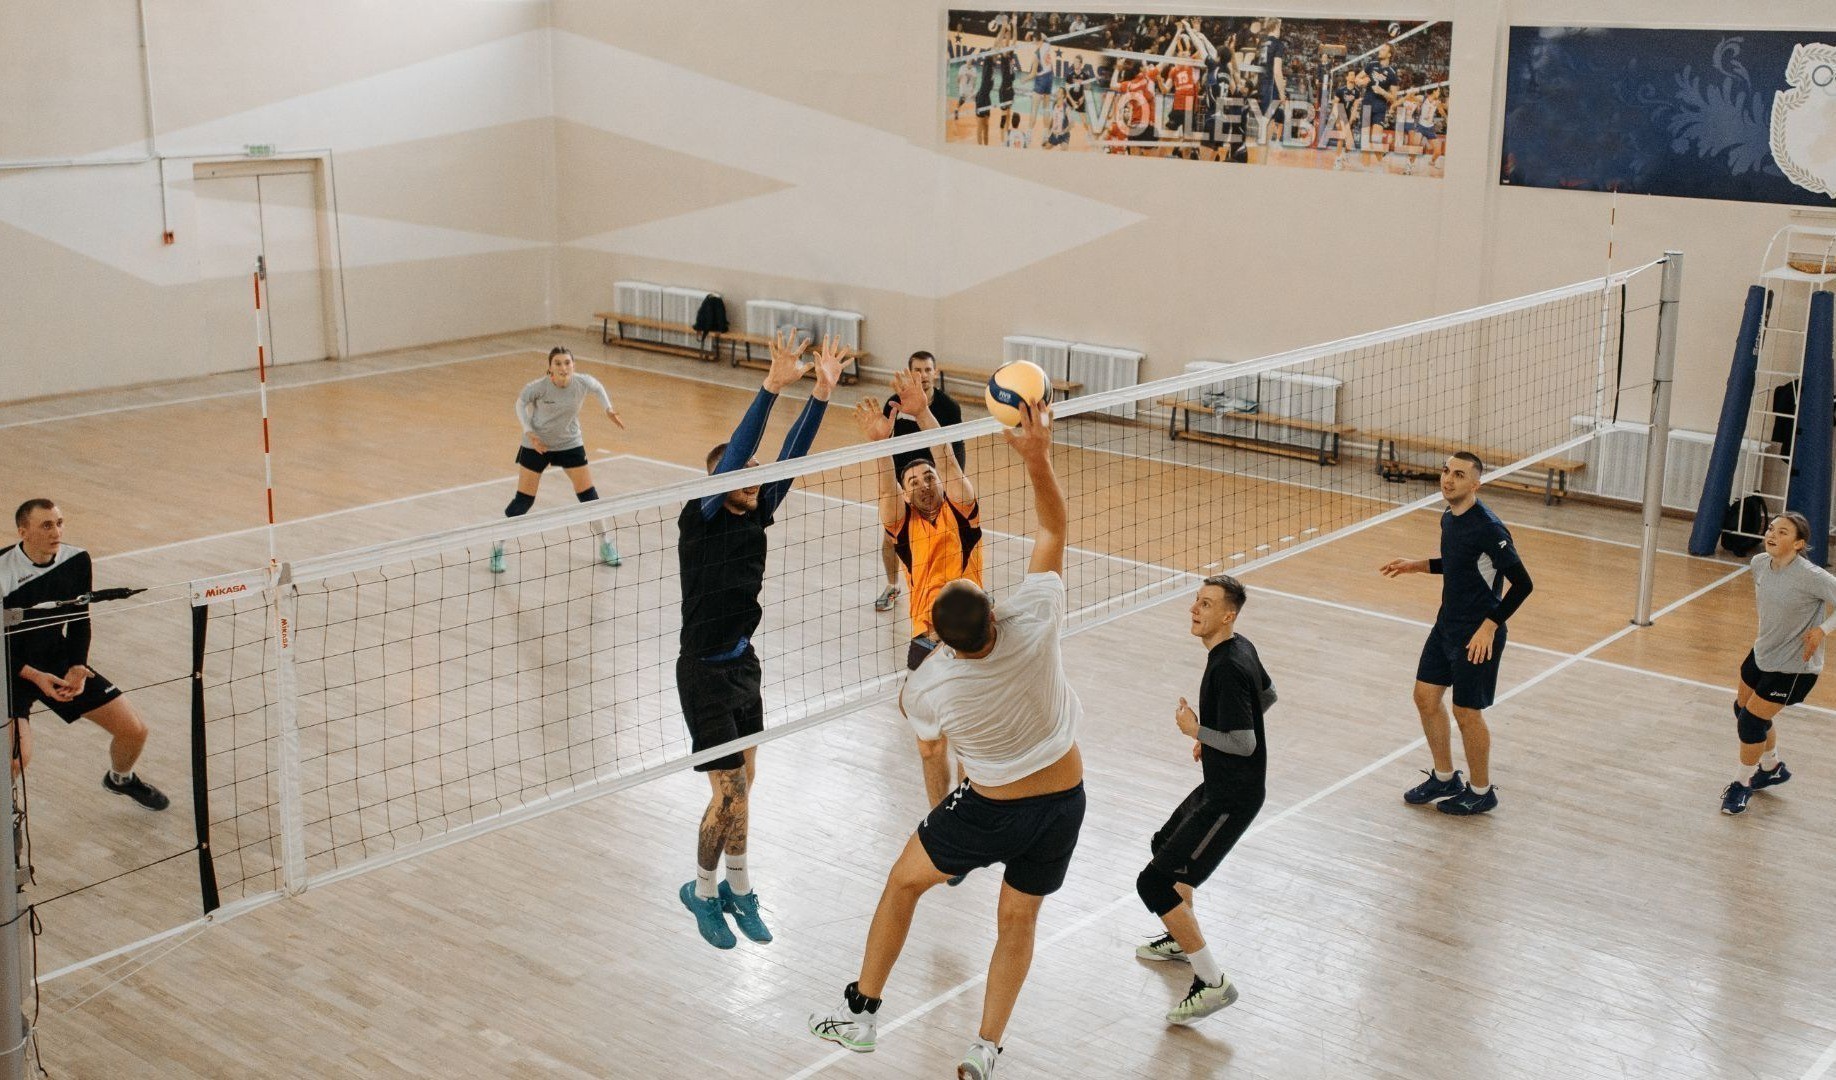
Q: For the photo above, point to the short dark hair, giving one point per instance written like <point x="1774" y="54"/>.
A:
<point x="1233" y="589"/>
<point x="715" y="455"/>
<point x="24" y="513"/>
<point x="560" y="350"/>
<point x="960" y="617"/>
<point x="922" y="459"/>
<point x="921" y="354"/>
<point x="1468" y="455"/>
<point x="1799" y="524"/>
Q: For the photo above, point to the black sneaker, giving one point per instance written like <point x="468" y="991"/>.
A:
<point x="137" y="789"/>
<point x="1734" y="798"/>
<point x="1470" y="802"/>
<point x="1434" y="788"/>
<point x="1769" y="777"/>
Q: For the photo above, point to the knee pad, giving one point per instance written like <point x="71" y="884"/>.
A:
<point x="519" y="505"/>
<point x="1752" y="729"/>
<point x="588" y="495"/>
<point x="1156" y="888"/>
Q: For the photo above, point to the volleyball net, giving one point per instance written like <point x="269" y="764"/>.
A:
<point x="359" y="708"/>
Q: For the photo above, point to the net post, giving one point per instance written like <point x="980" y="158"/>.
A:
<point x="1662" y="366"/>
<point x="13" y="1034"/>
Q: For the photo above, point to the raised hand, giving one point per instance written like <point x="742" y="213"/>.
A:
<point x="909" y="389"/>
<point x="787" y="363"/>
<point x="1033" y="438"/>
<point x="829" y="360"/>
<point x="867" y="417"/>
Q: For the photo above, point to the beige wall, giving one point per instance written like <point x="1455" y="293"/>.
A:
<point x="499" y="165"/>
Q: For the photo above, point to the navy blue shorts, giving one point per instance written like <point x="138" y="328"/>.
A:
<point x="1034" y="836"/>
<point x="97" y="692"/>
<point x="918" y="652"/>
<point x="1444" y="663"/>
<point x="1783" y="688"/>
<point x="535" y="461"/>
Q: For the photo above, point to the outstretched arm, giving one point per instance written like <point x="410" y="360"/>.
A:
<point x="828" y="364"/>
<point x="877" y="427"/>
<point x="1032" y="441"/>
<point x="786" y="368"/>
<point x="912" y="403"/>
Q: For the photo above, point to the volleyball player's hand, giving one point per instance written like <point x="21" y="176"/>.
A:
<point x="537" y="445"/>
<point x="50" y="685"/>
<point x="612" y="415"/>
<point x="75" y="679"/>
<point x="1397" y="567"/>
<point x="828" y="362"/>
<point x="1813" y="640"/>
<point x="1479" y="648"/>
<point x="787" y="363"/>
<point x="909" y="389"/>
<point x="1198" y="751"/>
<point x="873" y="425"/>
<point x="1033" y="438"/>
<point x="1186" y="719"/>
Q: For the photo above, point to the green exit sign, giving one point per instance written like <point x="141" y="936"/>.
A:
<point x="259" y="149"/>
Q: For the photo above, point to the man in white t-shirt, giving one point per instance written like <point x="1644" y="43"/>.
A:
<point x="996" y="689"/>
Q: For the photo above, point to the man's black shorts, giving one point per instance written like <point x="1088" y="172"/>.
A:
<point x="535" y="461"/>
<point x="1444" y="663"/>
<point x="720" y="702"/>
<point x="1780" y="687"/>
<point x="1200" y="833"/>
<point x="918" y="652"/>
<point x="1034" y="836"/>
<point x="97" y="692"/>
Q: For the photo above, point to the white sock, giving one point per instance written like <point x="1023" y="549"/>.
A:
<point x="1770" y="759"/>
<point x="120" y="778"/>
<point x="1477" y="790"/>
<point x="737" y="878"/>
<point x="1437" y="774"/>
<point x="1743" y="774"/>
<point x="704" y="883"/>
<point x="1205" y="966"/>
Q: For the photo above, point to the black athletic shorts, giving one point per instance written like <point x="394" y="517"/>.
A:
<point x="97" y="692"/>
<point x="1034" y="836"/>
<point x="535" y="461"/>
<point x="1776" y="686"/>
<point x="1200" y="833"/>
<point x="1180" y="121"/>
<point x="1444" y="663"/>
<point x="918" y="651"/>
<point x="720" y="702"/>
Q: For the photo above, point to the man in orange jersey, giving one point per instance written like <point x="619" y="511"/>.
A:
<point x="929" y="511"/>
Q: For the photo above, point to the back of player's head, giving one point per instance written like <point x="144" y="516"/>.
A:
<point x="27" y="508"/>
<point x="960" y="616"/>
<point x="1234" y="592"/>
<point x="714" y="456"/>
<point x="1472" y="459"/>
<point x="1799" y="524"/>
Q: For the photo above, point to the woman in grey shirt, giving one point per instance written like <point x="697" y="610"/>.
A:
<point x="549" y="411"/>
<point x="1791" y="593"/>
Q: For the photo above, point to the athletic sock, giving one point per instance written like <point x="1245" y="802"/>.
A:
<point x="1743" y="774"/>
<point x="121" y="778"/>
<point x="1478" y="790"/>
<point x="1770" y="759"/>
<point x="1205" y="966"/>
<point x="704" y="883"/>
<point x="737" y="878"/>
<point x="1437" y="774"/>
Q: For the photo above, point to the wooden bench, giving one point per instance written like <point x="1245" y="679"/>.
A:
<point x="708" y="349"/>
<point x="1179" y="426"/>
<point x="1061" y="388"/>
<point x="1555" y="470"/>
<point x="739" y="352"/>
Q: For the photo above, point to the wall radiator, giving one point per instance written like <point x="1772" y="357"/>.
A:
<point x="1616" y="463"/>
<point x="669" y="303"/>
<point x="1290" y="394"/>
<point x="764" y="318"/>
<point x="1097" y="367"/>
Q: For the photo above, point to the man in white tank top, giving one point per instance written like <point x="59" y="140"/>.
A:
<point x="996" y="690"/>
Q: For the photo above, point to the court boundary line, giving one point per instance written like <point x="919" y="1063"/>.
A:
<point x="1262" y="826"/>
<point x="1822" y="1065"/>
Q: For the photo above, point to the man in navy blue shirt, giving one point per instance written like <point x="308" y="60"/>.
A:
<point x="1477" y="560"/>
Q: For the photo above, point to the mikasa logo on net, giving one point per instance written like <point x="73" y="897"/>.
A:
<point x="224" y="590"/>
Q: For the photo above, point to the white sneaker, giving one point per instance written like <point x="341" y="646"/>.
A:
<point x="1202" y="1000"/>
<point x="978" y="1061"/>
<point x="1161" y="948"/>
<point x="847" y="1028"/>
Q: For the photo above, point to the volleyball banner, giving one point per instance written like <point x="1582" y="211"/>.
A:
<point x="1748" y="115"/>
<point x="1366" y="95"/>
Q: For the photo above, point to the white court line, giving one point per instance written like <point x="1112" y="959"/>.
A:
<point x="256" y="390"/>
<point x="1264" y="825"/>
<point x="1822" y="1065"/>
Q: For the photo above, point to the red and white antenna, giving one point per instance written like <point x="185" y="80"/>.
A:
<point x="267" y="442"/>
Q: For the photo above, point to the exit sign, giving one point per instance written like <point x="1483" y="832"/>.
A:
<point x="259" y="149"/>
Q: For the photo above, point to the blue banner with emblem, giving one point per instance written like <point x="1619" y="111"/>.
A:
<point x="1748" y="115"/>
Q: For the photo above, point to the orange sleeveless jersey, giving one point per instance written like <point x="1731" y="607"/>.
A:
<point x="935" y="553"/>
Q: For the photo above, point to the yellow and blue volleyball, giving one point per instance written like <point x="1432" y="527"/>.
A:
<point x="1012" y="384"/>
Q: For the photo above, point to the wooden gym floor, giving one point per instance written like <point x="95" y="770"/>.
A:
<point x="1606" y="921"/>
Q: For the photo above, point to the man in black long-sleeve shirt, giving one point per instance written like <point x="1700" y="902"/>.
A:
<point x="48" y="651"/>
<point x="947" y="412"/>
<point x="1463" y="650"/>
<point x="1227" y="741"/>
<point x="722" y="558"/>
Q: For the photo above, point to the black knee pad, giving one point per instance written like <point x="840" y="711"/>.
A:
<point x="588" y="495"/>
<point x="1752" y="729"/>
<point x="1156" y="888"/>
<point x="519" y="505"/>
